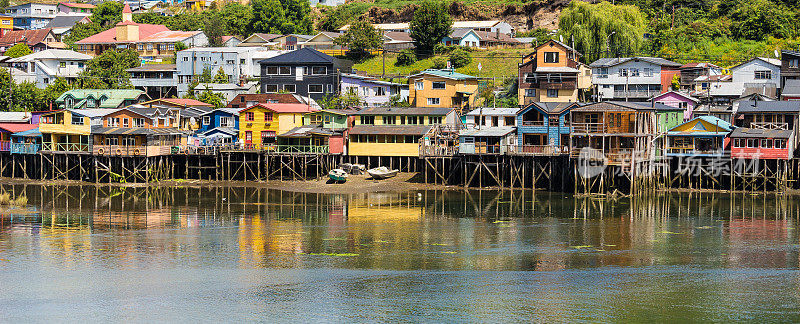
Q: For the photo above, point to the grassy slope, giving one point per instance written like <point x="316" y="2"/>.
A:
<point x="495" y="63"/>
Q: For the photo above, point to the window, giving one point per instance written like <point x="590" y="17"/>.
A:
<point x="780" y="144"/>
<point x="367" y="120"/>
<point x="552" y="93"/>
<point x="149" y="47"/>
<point x="633" y="72"/>
<point x="126" y="122"/>
<point x="438" y="85"/>
<point x="794" y="63"/>
<point x="509" y="121"/>
<point x="112" y="141"/>
<point x="602" y="73"/>
<point x="435" y="120"/>
<point x="272" y="70"/>
<point x="249" y="116"/>
<point x="171" y="47"/>
<point x="272" y="88"/>
<point x="551" y="57"/>
<point x="766" y="143"/>
<point x="379" y="91"/>
<point x="77" y="120"/>
<point x="285" y="70"/>
<point x="648" y="72"/>
<point x="138" y="122"/>
<point x="319" y="70"/>
<point x="763" y="75"/>
<point x="314" y="88"/>
<point x="623" y="72"/>
<point x="206" y="120"/>
<point x="113" y="122"/>
<point x="226" y="122"/>
<point x="330" y="88"/>
<point x="46" y="80"/>
<point x="267" y="116"/>
<point x="530" y="92"/>
<point x="389" y="120"/>
<point x="248" y="136"/>
<point x="433" y="101"/>
<point x="412" y="120"/>
<point x="230" y="62"/>
<point x="752" y="143"/>
<point x="418" y="85"/>
<point x="186" y="59"/>
<point x="290" y="88"/>
<point x="62" y="64"/>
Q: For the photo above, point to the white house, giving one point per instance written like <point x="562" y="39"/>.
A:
<point x="491" y="26"/>
<point x="760" y="75"/>
<point x="491" y="117"/>
<point x="227" y="90"/>
<point x="158" y="80"/>
<point x="373" y="91"/>
<point x="632" y="78"/>
<point x="240" y="64"/>
<point x="44" y="67"/>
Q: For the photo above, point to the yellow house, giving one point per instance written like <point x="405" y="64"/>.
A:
<point x="6" y="24"/>
<point x="260" y="124"/>
<point x="70" y="130"/>
<point x="443" y="88"/>
<point x="380" y="131"/>
<point x="552" y="73"/>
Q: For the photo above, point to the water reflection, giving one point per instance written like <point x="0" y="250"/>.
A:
<point x="454" y="255"/>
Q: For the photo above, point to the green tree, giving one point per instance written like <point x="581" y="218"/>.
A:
<point x="108" y="70"/>
<point x="54" y="90"/>
<point x="406" y="58"/>
<point x="107" y="13"/>
<point x="26" y="97"/>
<point x="459" y="58"/>
<point x="268" y="16"/>
<point x="588" y="26"/>
<point x="212" y="98"/>
<point x="676" y="82"/>
<point x="221" y="77"/>
<point x="20" y="49"/>
<point x="359" y="39"/>
<point x="758" y="19"/>
<point x="430" y="24"/>
<point x="205" y="76"/>
<point x="298" y="14"/>
<point x="438" y="63"/>
<point x="214" y="29"/>
<point x="237" y="18"/>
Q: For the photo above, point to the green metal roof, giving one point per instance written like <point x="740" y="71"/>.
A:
<point x="113" y="95"/>
<point x="450" y="74"/>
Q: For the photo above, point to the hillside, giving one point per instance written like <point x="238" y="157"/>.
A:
<point x="495" y="63"/>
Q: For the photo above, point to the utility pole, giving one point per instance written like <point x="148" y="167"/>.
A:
<point x="383" y="53"/>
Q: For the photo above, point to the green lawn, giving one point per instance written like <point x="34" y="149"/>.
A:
<point x="495" y="63"/>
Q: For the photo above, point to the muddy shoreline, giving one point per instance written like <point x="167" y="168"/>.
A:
<point x="354" y="184"/>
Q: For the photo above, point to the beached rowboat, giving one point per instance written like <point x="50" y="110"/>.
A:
<point x="382" y="173"/>
<point x="338" y="175"/>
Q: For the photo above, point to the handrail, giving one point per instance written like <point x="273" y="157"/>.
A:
<point x="25" y="148"/>
<point x="119" y="150"/>
<point x="65" y="147"/>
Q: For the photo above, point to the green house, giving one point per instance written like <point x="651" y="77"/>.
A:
<point x="100" y="98"/>
<point x="330" y="119"/>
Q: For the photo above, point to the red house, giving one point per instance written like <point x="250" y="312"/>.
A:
<point x="767" y="130"/>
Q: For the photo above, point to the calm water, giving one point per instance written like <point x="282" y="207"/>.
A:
<point x="232" y="254"/>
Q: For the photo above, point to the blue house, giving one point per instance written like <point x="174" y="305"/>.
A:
<point x="32" y="15"/>
<point x="543" y="128"/>
<point x="26" y="142"/>
<point x="705" y="136"/>
<point x="219" y="126"/>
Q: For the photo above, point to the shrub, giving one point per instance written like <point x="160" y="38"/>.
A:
<point x="406" y="58"/>
<point x="439" y="63"/>
<point x="21" y="201"/>
<point x="459" y="58"/>
<point x="5" y="198"/>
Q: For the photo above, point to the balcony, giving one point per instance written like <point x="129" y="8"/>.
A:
<point x="564" y="85"/>
<point x="770" y="125"/>
<point x="636" y="93"/>
<point x="691" y="151"/>
<point x="283" y="149"/>
<point x="537" y="150"/>
<point x="120" y="150"/>
<point x="589" y="128"/>
<point x="65" y="147"/>
<point x="25" y="148"/>
<point x="5" y="146"/>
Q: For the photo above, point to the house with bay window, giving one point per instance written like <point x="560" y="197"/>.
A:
<point x="306" y="72"/>
<point x="632" y="78"/>
<point x="99" y="98"/>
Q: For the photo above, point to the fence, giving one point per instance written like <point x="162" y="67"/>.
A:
<point x="25" y="148"/>
<point x="65" y="147"/>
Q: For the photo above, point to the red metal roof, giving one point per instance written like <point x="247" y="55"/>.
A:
<point x="31" y="37"/>
<point x="78" y="5"/>
<point x="16" y="127"/>
<point x="127" y="9"/>
<point x="284" y="108"/>
<point x="185" y="102"/>
<point x="110" y="36"/>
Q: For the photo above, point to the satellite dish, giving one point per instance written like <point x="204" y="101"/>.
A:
<point x="561" y="38"/>
<point x="777" y="54"/>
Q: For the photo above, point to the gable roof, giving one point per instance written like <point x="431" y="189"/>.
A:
<point x="77" y="5"/>
<point x="16" y="127"/>
<point x="760" y="133"/>
<point x="404" y="111"/>
<point x="93" y="112"/>
<point x="243" y="98"/>
<point x="550" y="108"/>
<point x="772" y="61"/>
<point x="30" y="37"/>
<point x="791" y="87"/>
<point x="231" y="111"/>
<point x="14" y="117"/>
<point x="565" y="46"/>
<point x="698" y="65"/>
<point x="725" y="126"/>
<point x="303" y="55"/>
<point x="491" y="111"/>
<point x="53" y="54"/>
<point x="62" y="21"/>
<point x="110" y="35"/>
<point x="449" y="74"/>
<point x="262" y="36"/>
<point x="678" y="93"/>
<point x="399" y="36"/>
<point x="608" y="62"/>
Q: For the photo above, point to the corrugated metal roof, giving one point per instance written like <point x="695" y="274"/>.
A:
<point x="378" y="111"/>
<point x="760" y="133"/>
<point x="390" y="129"/>
<point x="487" y="131"/>
<point x="448" y="74"/>
<point x="769" y="106"/>
<point x="606" y="62"/>
<point x="137" y="131"/>
<point x="791" y="87"/>
<point x="491" y="111"/>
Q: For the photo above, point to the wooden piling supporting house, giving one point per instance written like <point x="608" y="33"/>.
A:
<point x="260" y="124"/>
<point x="323" y="131"/>
<point x="489" y="140"/>
<point x="218" y="127"/>
<point x="621" y="131"/>
<point x="543" y="128"/>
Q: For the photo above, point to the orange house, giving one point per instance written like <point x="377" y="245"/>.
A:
<point x="138" y="131"/>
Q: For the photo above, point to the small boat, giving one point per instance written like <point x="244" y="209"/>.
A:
<point x="354" y="169"/>
<point x="338" y="175"/>
<point x="382" y="173"/>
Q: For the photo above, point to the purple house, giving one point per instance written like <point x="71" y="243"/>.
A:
<point x="678" y="100"/>
<point x="371" y="90"/>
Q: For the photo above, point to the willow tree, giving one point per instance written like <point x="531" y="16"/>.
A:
<point x="603" y="29"/>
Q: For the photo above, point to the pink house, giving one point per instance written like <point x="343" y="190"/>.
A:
<point x="678" y="100"/>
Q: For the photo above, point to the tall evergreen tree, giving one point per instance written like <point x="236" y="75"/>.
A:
<point x="430" y="24"/>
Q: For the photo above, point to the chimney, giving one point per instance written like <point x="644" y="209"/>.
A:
<point x="127" y="13"/>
